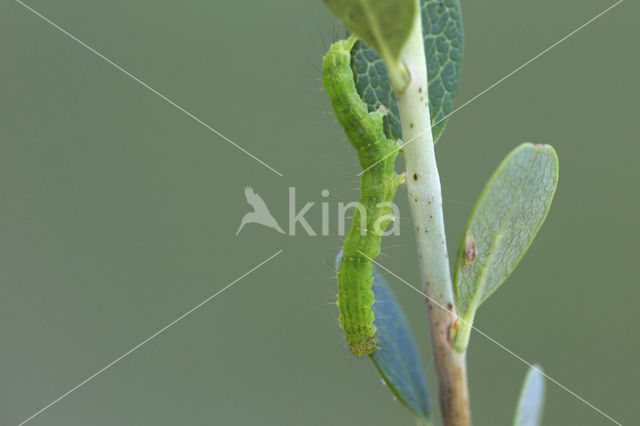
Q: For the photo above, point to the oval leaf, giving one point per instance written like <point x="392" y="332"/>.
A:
<point x="397" y="359"/>
<point x="504" y="222"/>
<point x="383" y="24"/>
<point x="531" y="402"/>
<point x="443" y="44"/>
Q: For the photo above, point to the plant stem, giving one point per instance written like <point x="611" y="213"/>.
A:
<point x="425" y="198"/>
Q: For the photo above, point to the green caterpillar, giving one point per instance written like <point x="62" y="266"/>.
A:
<point x="377" y="189"/>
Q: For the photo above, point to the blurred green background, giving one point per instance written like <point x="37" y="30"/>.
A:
<point x="119" y="213"/>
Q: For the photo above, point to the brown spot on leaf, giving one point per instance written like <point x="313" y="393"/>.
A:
<point x="470" y="249"/>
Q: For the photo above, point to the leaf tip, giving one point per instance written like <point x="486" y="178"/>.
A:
<point x="531" y="401"/>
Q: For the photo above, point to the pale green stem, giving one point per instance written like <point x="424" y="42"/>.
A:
<point x="425" y="198"/>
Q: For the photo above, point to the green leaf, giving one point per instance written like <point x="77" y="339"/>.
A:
<point x="383" y="24"/>
<point x="504" y="222"/>
<point x="397" y="359"/>
<point x="531" y="402"/>
<point x="443" y="43"/>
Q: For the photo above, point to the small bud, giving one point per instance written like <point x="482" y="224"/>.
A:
<point x="470" y="250"/>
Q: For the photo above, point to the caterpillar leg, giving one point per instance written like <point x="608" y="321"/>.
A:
<point x="365" y="347"/>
